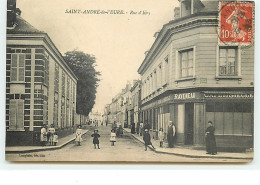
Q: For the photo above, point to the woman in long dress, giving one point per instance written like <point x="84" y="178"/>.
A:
<point x="43" y="135"/>
<point x="211" y="146"/>
<point x="78" y="138"/>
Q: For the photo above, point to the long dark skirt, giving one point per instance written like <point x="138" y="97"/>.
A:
<point x="170" y="139"/>
<point x="211" y="146"/>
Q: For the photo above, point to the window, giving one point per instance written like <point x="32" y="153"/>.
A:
<point x="228" y="61"/>
<point x="16" y="114"/>
<point x="17" y="67"/>
<point x="166" y="70"/>
<point x="186" y="63"/>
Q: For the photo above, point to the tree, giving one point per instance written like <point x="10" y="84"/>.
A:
<point x="83" y="65"/>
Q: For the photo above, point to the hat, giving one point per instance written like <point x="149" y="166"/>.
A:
<point x="146" y="130"/>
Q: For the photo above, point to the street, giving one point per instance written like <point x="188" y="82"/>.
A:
<point x="126" y="149"/>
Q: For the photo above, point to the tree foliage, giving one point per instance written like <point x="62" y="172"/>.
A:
<point x="83" y="65"/>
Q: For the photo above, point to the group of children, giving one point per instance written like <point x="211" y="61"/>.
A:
<point x="49" y="136"/>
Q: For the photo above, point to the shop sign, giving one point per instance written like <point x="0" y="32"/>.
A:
<point x="225" y="95"/>
<point x="184" y="96"/>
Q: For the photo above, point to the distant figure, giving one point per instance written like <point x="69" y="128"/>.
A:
<point x="133" y="128"/>
<point x="147" y="139"/>
<point x="170" y="135"/>
<point x="138" y="128"/>
<point x="78" y="138"/>
<point x="55" y="139"/>
<point x="161" y="137"/>
<point x="95" y="138"/>
<point x="141" y="129"/>
<point x="211" y="146"/>
<point x="43" y="135"/>
<point x="51" y="132"/>
<point x="113" y="137"/>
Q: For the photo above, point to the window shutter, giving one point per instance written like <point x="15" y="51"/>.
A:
<point x="12" y="115"/>
<point x="20" y="115"/>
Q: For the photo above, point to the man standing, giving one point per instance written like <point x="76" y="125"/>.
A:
<point x="170" y="135"/>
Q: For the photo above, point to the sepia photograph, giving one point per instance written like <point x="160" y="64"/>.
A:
<point x="133" y="81"/>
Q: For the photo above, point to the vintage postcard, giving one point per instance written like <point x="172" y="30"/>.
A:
<point x="130" y="81"/>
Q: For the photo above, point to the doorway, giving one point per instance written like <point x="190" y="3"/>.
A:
<point x="189" y="123"/>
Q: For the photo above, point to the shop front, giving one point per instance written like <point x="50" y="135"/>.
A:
<point x="230" y="111"/>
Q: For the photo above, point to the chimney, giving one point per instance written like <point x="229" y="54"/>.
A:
<point x="11" y="13"/>
<point x="176" y="13"/>
<point x="156" y="34"/>
<point x="146" y="52"/>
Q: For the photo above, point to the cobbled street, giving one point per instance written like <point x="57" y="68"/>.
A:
<point x="126" y="149"/>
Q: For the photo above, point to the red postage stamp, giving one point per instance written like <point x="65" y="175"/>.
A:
<point x="236" y="21"/>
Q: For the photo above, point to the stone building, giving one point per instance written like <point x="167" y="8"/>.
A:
<point x="189" y="78"/>
<point x="40" y="87"/>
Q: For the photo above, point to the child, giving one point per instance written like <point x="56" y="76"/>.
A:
<point x="55" y="139"/>
<point x="95" y="138"/>
<point x="147" y="139"/>
<point x="113" y="137"/>
<point x="161" y="137"/>
<point x="78" y="135"/>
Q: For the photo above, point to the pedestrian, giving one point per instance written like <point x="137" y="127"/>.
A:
<point x="171" y="134"/>
<point x="55" y="139"/>
<point x="161" y="137"/>
<point x="113" y="137"/>
<point x="78" y="138"/>
<point x="133" y="128"/>
<point x="95" y="138"/>
<point x="51" y="134"/>
<point x="141" y="129"/>
<point x="147" y="139"/>
<point x="43" y="135"/>
<point x="211" y="146"/>
<point x="137" y="128"/>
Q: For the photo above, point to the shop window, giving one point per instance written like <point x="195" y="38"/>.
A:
<point x="247" y="107"/>
<point x="228" y="107"/>
<point x="186" y="63"/>
<point x="210" y="107"/>
<point x="16" y="114"/>
<point x="218" y="107"/>
<point x="18" y="68"/>
<point x="238" y="107"/>
<point x="228" y="61"/>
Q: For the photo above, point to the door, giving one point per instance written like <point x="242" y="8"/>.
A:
<point x="189" y="123"/>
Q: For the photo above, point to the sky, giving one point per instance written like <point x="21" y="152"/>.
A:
<point x="118" y="41"/>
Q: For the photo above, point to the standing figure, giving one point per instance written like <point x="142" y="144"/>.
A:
<point x="161" y="137"/>
<point x="170" y="135"/>
<point x="132" y="128"/>
<point x="95" y="138"/>
<point x="113" y="137"/>
<point x="147" y="139"/>
<point x="51" y="133"/>
<point x="43" y="135"/>
<point x="78" y="138"/>
<point x="55" y="139"/>
<point x="210" y="139"/>
<point x="141" y="129"/>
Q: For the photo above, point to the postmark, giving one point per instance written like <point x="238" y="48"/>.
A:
<point x="236" y="26"/>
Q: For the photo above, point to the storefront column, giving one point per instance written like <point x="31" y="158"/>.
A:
<point x="180" y="124"/>
<point x="199" y="122"/>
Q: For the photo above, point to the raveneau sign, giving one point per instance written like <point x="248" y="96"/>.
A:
<point x="184" y="96"/>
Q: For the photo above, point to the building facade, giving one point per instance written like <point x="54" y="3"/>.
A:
<point x="190" y="79"/>
<point x="40" y="87"/>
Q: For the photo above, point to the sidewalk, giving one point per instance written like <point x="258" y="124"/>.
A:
<point x="188" y="152"/>
<point x="25" y="149"/>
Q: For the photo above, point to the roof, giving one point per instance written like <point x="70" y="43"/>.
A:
<point x="22" y="26"/>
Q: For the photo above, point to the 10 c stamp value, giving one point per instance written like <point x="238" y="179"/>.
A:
<point x="236" y="26"/>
